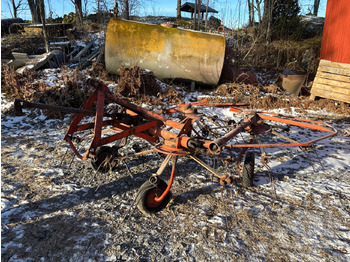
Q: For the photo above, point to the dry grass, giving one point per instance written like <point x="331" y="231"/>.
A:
<point x="136" y="82"/>
<point x="272" y="97"/>
<point x="71" y="92"/>
<point x="98" y="70"/>
<point x="171" y="95"/>
<point x="32" y="44"/>
<point x="23" y="86"/>
<point x="70" y="88"/>
<point x="294" y="55"/>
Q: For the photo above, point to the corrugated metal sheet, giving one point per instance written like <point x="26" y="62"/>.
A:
<point x="336" y="33"/>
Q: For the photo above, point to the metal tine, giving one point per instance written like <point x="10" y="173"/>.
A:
<point x="127" y="168"/>
<point x="272" y="181"/>
<point x="104" y="163"/>
<point x="71" y="162"/>
<point x="308" y="158"/>
<point x="265" y="161"/>
<point x="319" y="160"/>
<point x="64" y="156"/>
<point x="233" y="203"/>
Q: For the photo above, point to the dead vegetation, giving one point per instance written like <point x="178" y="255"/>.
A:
<point x="23" y="86"/>
<point x="142" y="87"/>
<point x="70" y="88"/>
<point x="32" y="44"/>
<point x="99" y="71"/>
<point x="136" y="82"/>
<point x="301" y="56"/>
<point x="272" y="97"/>
<point x="69" y="91"/>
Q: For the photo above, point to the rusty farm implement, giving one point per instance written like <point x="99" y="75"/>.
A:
<point x="191" y="134"/>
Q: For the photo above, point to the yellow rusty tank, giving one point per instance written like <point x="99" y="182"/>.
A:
<point x="171" y="53"/>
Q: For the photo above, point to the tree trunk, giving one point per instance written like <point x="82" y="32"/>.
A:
<point x="199" y="13"/>
<point x="250" y="13"/>
<point x="85" y="12"/>
<point x="37" y="7"/>
<point x="79" y="13"/>
<point x="14" y="7"/>
<point x="46" y="37"/>
<point x="259" y="11"/>
<point x="178" y="9"/>
<point x="34" y="11"/>
<point x="265" y="27"/>
<point x="252" y="8"/>
<point x="195" y="14"/>
<point x="206" y="15"/>
<point x="316" y="6"/>
<point x="126" y="14"/>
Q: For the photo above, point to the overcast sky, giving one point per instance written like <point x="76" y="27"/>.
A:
<point x="232" y="12"/>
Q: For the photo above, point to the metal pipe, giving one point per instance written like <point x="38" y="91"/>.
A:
<point x="217" y="145"/>
<point x="20" y="103"/>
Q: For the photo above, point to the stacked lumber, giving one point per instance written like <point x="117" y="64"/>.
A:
<point x="332" y="81"/>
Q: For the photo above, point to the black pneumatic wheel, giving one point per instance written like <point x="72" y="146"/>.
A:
<point x="146" y="197"/>
<point x="248" y="170"/>
<point x="103" y="161"/>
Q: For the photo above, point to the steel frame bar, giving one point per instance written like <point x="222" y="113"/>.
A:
<point x="149" y="126"/>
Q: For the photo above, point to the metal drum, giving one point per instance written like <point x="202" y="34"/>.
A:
<point x="171" y="53"/>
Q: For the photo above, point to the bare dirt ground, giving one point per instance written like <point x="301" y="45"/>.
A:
<point x="56" y="208"/>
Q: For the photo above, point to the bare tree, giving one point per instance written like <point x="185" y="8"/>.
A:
<point x="195" y="14"/>
<point x="251" y="12"/>
<point x="98" y="7"/>
<point x="78" y="12"/>
<point x="42" y="12"/>
<point x="206" y="15"/>
<point x="178" y="9"/>
<point x="279" y="18"/>
<point x="15" y="7"/>
<point x="258" y="2"/>
<point x="199" y="13"/>
<point x="85" y="12"/>
<point x="34" y="10"/>
<point x="126" y="10"/>
<point x="316" y="6"/>
<point x="130" y="7"/>
<point x="266" y="24"/>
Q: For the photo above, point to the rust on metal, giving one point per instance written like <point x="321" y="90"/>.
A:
<point x="168" y="52"/>
<point x="176" y="138"/>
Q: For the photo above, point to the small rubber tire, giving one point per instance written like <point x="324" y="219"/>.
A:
<point x="146" y="194"/>
<point x="102" y="153"/>
<point x="248" y="170"/>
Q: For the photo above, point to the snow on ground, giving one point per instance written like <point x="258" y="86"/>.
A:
<point x="55" y="207"/>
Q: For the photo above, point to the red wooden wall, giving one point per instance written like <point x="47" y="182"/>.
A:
<point x="336" y="33"/>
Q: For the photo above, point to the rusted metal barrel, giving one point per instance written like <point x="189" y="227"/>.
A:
<point x="171" y="53"/>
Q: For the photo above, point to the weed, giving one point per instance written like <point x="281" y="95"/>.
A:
<point x="135" y="82"/>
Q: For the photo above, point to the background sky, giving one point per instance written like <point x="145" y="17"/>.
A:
<point x="233" y="13"/>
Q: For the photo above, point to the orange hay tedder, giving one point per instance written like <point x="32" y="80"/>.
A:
<point x="192" y="135"/>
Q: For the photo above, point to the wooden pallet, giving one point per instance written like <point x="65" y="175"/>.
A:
<point x="332" y="81"/>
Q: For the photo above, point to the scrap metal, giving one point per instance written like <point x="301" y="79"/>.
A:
<point x="187" y="137"/>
